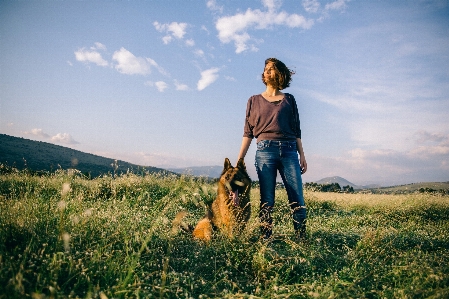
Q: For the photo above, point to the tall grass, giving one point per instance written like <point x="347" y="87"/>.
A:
<point x="63" y="236"/>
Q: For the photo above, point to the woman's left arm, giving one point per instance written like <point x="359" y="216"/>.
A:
<point x="302" y="157"/>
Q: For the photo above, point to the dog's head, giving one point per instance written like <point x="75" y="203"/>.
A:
<point x="235" y="180"/>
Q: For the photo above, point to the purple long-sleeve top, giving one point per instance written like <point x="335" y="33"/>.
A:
<point x="267" y="120"/>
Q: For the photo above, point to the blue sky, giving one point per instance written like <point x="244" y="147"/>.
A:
<point x="165" y="83"/>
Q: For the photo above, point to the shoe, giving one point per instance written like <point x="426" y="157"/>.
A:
<point x="266" y="224"/>
<point x="300" y="235"/>
<point x="299" y="224"/>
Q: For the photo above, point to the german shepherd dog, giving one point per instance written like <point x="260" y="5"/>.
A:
<point x="231" y="209"/>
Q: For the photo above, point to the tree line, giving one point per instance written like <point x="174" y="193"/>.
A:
<point x="333" y="187"/>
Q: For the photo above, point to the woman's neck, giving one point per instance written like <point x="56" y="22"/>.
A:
<point x="272" y="92"/>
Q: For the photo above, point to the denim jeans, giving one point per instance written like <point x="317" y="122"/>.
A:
<point x="273" y="156"/>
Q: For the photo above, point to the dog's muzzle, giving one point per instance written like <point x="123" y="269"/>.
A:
<point x="234" y="194"/>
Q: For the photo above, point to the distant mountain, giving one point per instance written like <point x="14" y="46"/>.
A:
<point x="343" y="182"/>
<point x="203" y="171"/>
<point x="42" y="156"/>
<point x="336" y="179"/>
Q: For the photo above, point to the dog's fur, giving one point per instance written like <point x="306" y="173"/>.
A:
<point x="231" y="209"/>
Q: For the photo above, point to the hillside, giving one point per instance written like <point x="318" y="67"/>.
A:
<point x="42" y="156"/>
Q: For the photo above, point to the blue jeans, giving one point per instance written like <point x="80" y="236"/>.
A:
<point x="273" y="156"/>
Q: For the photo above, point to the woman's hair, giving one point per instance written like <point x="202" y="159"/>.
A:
<point x="283" y="74"/>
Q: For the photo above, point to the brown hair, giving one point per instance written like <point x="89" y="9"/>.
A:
<point x="283" y="74"/>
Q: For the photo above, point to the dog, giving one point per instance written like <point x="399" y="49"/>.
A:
<point x="231" y="209"/>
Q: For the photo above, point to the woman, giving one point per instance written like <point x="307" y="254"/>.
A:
<point x="272" y="118"/>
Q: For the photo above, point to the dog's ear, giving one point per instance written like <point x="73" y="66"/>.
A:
<point x="241" y="164"/>
<point x="227" y="164"/>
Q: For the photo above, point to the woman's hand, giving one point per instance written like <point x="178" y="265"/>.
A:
<point x="303" y="164"/>
<point x="302" y="158"/>
<point x="246" y="142"/>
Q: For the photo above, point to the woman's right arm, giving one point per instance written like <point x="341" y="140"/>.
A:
<point x="246" y="142"/>
<point x="247" y="132"/>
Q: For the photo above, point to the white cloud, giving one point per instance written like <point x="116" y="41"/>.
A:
<point x="199" y="52"/>
<point x="161" y="86"/>
<point x="98" y="46"/>
<point x="173" y="30"/>
<point x="212" y="5"/>
<point x="190" y="42"/>
<point x="59" y="138"/>
<point x="235" y="28"/>
<point x="126" y="62"/>
<point x="205" y="29"/>
<point x="180" y="86"/>
<point x="129" y="64"/>
<point x="167" y="39"/>
<point x="92" y="55"/>
<point x="38" y="133"/>
<point x="427" y="137"/>
<point x="207" y="78"/>
<point x="64" y="138"/>
<point x="160" y="69"/>
<point x="430" y="145"/>
<point x="271" y="4"/>
<point x="311" y="6"/>
<point x="386" y="166"/>
<point x="336" y="5"/>
<point x="177" y="29"/>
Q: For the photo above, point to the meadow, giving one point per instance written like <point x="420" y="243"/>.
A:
<point x="65" y="236"/>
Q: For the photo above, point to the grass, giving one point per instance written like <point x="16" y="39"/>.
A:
<point x="63" y="236"/>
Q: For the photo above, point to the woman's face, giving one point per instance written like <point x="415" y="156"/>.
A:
<point x="269" y="72"/>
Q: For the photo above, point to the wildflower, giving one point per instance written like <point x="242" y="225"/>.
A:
<point x="87" y="212"/>
<point x="75" y="220"/>
<point x="65" y="189"/>
<point x="62" y="205"/>
<point x="66" y="240"/>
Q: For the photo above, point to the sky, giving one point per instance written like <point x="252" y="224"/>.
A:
<point x="165" y="83"/>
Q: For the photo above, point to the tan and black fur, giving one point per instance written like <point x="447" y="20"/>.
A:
<point x="231" y="209"/>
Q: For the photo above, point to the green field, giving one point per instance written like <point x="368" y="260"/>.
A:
<point x="64" y="236"/>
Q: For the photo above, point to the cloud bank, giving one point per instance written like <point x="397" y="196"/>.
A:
<point x="429" y="158"/>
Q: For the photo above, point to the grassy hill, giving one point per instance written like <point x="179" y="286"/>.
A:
<point x="42" y="156"/>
